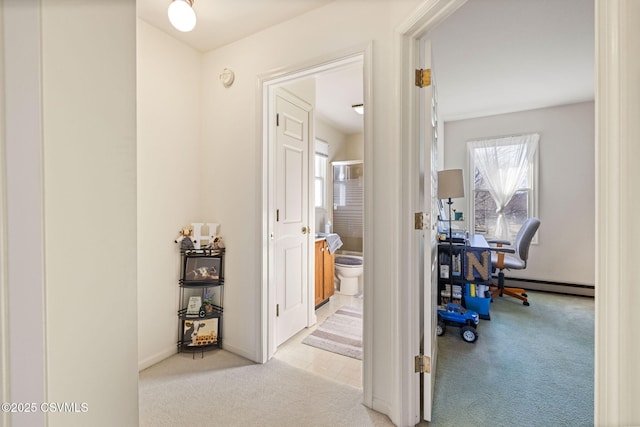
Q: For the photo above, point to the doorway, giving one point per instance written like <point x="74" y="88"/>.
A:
<point x="337" y="205"/>
<point x="292" y="80"/>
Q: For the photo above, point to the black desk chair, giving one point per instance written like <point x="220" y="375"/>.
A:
<point x="512" y="257"/>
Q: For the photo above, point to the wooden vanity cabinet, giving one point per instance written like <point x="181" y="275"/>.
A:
<point x="325" y="265"/>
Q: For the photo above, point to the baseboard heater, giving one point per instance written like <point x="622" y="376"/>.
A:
<point x="547" y="286"/>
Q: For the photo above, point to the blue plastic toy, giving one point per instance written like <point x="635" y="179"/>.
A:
<point x="456" y="315"/>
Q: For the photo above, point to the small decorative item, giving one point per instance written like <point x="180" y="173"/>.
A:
<point x="204" y="233"/>
<point x="186" y="238"/>
<point x="218" y="243"/>
<point x="208" y="302"/>
<point x="215" y="244"/>
<point x="194" y="306"/>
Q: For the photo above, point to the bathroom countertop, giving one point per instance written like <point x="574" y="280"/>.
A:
<point x="321" y="236"/>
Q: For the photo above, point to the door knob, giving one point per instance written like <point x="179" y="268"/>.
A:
<point x="305" y="230"/>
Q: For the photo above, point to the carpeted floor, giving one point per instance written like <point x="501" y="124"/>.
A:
<point x="226" y="390"/>
<point x="341" y="333"/>
<point x="531" y="366"/>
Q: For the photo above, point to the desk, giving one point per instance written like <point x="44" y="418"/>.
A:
<point x="478" y="241"/>
<point x="470" y="277"/>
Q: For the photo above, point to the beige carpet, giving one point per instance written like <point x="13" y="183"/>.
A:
<point x="223" y="389"/>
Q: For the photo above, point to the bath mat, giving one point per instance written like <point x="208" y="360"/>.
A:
<point x="341" y="333"/>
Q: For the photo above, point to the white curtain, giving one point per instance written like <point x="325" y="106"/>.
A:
<point x="504" y="163"/>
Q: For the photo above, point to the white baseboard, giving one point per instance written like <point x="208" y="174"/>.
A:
<point x="240" y="352"/>
<point x="383" y="407"/>
<point x="156" y="358"/>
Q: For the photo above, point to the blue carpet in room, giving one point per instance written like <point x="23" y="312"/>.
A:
<point x="531" y="366"/>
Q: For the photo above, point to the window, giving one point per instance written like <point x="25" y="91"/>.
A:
<point x="320" y="172"/>
<point x="504" y="182"/>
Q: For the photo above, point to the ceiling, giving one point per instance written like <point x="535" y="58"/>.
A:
<point x="220" y="22"/>
<point x="490" y="57"/>
<point x="499" y="56"/>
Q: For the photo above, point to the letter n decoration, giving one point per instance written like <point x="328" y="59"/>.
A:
<point x="473" y="263"/>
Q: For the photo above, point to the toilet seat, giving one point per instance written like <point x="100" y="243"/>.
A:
<point x="348" y="261"/>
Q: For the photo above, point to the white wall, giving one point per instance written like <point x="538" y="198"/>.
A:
<point x="4" y="327"/>
<point x="23" y="219"/>
<point x="566" y="248"/>
<point x="169" y="187"/>
<point x="71" y="195"/>
<point x="89" y="124"/>
<point x="232" y="135"/>
<point x="331" y="136"/>
<point x="354" y="147"/>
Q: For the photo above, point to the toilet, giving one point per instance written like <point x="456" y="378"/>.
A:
<point x="349" y="269"/>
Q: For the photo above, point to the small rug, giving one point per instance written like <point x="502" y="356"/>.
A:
<point x="341" y="333"/>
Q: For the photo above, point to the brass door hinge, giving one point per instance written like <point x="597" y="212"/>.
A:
<point x="421" y="221"/>
<point x="423" y="77"/>
<point x="423" y="364"/>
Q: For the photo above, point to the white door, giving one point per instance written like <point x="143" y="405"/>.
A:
<point x="428" y="245"/>
<point x="292" y="218"/>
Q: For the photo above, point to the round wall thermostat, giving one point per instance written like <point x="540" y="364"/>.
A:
<point x="227" y="77"/>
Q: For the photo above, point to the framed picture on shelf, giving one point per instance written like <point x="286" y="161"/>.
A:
<point x="200" y="332"/>
<point x="194" y="305"/>
<point x="202" y="268"/>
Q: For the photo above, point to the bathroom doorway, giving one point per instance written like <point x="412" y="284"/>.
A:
<point x="313" y="87"/>
<point x="339" y="216"/>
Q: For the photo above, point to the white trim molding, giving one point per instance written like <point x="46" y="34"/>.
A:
<point x="617" y="379"/>
<point x="407" y="325"/>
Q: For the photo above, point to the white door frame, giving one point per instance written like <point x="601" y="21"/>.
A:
<point x="266" y="85"/>
<point x="409" y="33"/>
<point x="616" y="103"/>
<point x="617" y="106"/>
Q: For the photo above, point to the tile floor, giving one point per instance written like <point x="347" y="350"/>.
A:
<point x="339" y="368"/>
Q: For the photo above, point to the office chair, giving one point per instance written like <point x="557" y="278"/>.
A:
<point x="513" y="258"/>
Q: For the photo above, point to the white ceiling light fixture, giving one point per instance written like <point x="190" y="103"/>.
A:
<point x="181" y="15"/>
<point x="358" y="108"/>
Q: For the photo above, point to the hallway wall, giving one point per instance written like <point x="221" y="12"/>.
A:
<point x="232" y="135"/>
<point x="170" y="190"/>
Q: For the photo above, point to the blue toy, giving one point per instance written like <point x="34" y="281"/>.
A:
<point x="456" y="315"/>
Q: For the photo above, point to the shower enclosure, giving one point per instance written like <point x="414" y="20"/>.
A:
<point x="348" y="203"/>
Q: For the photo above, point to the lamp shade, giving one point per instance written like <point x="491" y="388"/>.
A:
<point x="181" y="15"/>
<point x="450" y="184"/>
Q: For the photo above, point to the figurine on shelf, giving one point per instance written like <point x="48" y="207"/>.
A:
<point x="186" y="238"/>
<point x="216" y="243"/>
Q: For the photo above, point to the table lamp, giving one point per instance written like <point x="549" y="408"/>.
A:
<point x="450" y="186"/>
